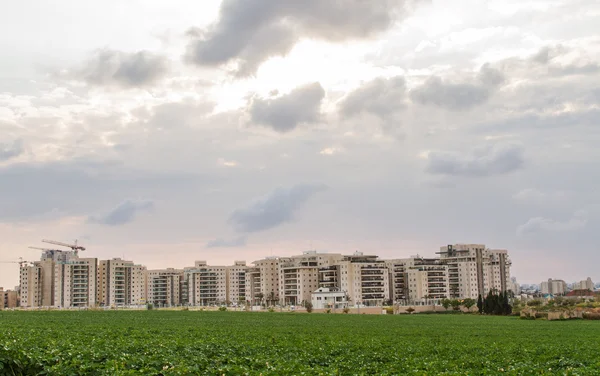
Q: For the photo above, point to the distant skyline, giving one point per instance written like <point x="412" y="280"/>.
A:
<point x="170" y="132"/>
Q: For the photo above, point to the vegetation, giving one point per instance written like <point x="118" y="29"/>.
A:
<point x="494" y="304"/>
<point x="253" y="343"/>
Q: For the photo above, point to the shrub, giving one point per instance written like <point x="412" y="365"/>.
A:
<point x="346" y="310"/>
<point x="149" y="306"/>
<point x="410" y="310"/>
<point x="309" y="307"/>
<point x="591" y="316"/>
<point x="271" y="309"/>
<point x="389" y="311"/>
<point x="222" y="308"/>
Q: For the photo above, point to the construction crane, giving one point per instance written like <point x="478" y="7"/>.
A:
<point x="20" y="262"/>
<point x="43" y="249"/>
<point x="76" y="248"/>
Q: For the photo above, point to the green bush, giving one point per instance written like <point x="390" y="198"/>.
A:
<point x="222" y="308"/>
<point x="346" y="310"/>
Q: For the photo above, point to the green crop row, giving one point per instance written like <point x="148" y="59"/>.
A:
<point x="245" y="343"/>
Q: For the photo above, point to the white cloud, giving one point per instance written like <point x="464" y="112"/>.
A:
<point x="542" y="224"/>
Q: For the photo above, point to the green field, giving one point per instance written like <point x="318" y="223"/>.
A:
<point x="238" y="343"/>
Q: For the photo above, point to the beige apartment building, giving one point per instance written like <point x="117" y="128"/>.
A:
<point x="474" y="270"/>
<point x="206" y="285"/>
<point x="8" y="299"/>
<point x="263" y="280"/>
<point x="121" y="283"/>
<point x="365" y="279"/>
<point x="164" y="287"/>
<point x="427" y="280"/>
<point x="586" y="284"/>
<point x="236" y="283"/>
<point x="300" y="276"/>
<point x="30" y="282"/>
<point x="75" y="282"/>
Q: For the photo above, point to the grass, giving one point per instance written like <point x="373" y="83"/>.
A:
<point x="238" y="343"/>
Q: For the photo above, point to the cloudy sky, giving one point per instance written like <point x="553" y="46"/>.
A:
<point x="172" y="131"/>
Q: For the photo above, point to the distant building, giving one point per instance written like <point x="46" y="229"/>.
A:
<point x="584" y="285"/>
<point x="553" y="287"/>
<point x="164" y="287"/>
<point x="121" y="283"/>
<point x="8" y="299"/>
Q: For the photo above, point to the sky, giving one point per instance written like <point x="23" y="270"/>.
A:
<point x="169" y="132"/>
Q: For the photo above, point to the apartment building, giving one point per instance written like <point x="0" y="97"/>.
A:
<point x="554" y="287"/>
<point x="30" y="282"/>
<point x="300" y="276"/>
<point x="364" y="278"/>
<point x="75" y="282"/>
<point x="263" y="281"/>
<point x="8" y="299"/>
<point x="121" y="283"/>
<point x="397" y="274"/>
<point x="473" y="270"/>
<point x="586" y="284"/>
<point x="236" y="282"/>
<point x="164" y="287"/>
<point x="206" y="285"/>
<point x="427" y="280"/>
<point x="326" y="298"/>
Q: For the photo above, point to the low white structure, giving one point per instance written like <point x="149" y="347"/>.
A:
<point x="324" y="298"/>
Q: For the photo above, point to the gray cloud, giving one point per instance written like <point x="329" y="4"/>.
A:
<point x="12" y="150"/>
<point x="274" y="209"/>
<point x="251" y="31"/>
<point x="124" y="213"/>
<point x="115" y="68"/>
<point x="227" y="243"/>
<point x="285" y="113"/>
<point x="496" y="160"/>
<point x="380" y="97"/>
<point x="542" y="224"/>
<point x="458" y="96"/>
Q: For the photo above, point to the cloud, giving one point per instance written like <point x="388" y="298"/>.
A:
<point x="283" y="114"/>
<point x="537" y="197"/>
<point x="458" y="96"/>
<point x="225" y="163"/>
<point x="124" y="213"/>
<point x="115" y="68"/>
<point x="487" y="161"/>
<point x="12" y="150"/>
<point x="541" y="224"/>
<point x="274" y="209"/>
<point x="227" y="243"/>
<point x="249" y="32"/>
<point x="380" y="97"/>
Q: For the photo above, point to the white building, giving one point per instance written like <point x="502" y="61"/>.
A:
<point x="30" y="285"/>
<point x="427" y="280"/>
<point x="365" y="279"/>
<point x="553" y="286"/>
<point x="236" y="282"/>
<point x="325" y="298"/>
<point x="584" y="285"/>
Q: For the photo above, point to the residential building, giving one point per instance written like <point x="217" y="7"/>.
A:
<point x="584" y="285"/>
<point x="121" y="283"/>
<point x="553" y="287"/>
<point x="31" y="287"/>
<point x="397" y="274"/>
<point x="300" y="275"/>
<point x="236" y="282"/>
<point x="75" y="282"/>
<point x="364" y="278"/>
<point x="514" y="286"/>
<point x="474" y="270"/>
<point x="8" y="299"/>
<point x="427" y="280"/>
<point x="264" y="281"/>
<point x="164" y="287"/>
<point x="206" y="285"/>
<point x="326" y="298"/>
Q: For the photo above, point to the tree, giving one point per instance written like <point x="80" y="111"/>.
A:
<point x="468" y="303"/>
<point x="309" y="307"/>
<point x="446" y="303"/>
<point x="260" y="297"/>
<point x="480" y="304"/>
<point x="455" y="303"/>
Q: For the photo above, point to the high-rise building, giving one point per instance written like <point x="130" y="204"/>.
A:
<point x="474" y="270"/>
<point x="427" y="280"/>
<point x="236" y="282"/>
<point x="364" y="278"/>
<point x="206" y="285"/>
<point x="300" y="276"/>
<point x="121" y="283"/>
<point x="263" y="279"/>
<point x="164" y="287"/>
<point x="8" y="299"/>
<point x="75" y="282"/>
<point x="554" y="287"/>
<point x="30" y="285"/>
<point x="586" y="284"/>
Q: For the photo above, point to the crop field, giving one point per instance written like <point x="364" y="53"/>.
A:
<point x="245" y="343"/>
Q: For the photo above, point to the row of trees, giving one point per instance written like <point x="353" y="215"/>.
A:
<point x="494" y="304"/>
<point x="457" y="303"/>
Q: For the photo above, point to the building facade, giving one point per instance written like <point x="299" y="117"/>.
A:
<point x="75" y="282"/>
<point x="164" y="287"/>
<point x="553" y="287"/>
<point x="236" y="283"/>
<point x="586" y="284"/>
<point x="206" y="285"/>
<point x="121" y="283"/>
